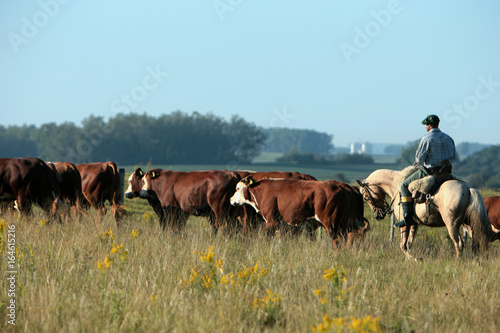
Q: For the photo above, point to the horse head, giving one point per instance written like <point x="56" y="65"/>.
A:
<point x="375" y="197"/>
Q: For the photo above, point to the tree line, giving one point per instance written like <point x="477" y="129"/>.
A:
<point x="175" y="138"/>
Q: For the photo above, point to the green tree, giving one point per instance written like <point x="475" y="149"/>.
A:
<point x="283" y="139"/>
<point x="18" y="141"/>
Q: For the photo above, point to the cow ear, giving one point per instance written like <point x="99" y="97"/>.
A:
<point x="252" y="182"/>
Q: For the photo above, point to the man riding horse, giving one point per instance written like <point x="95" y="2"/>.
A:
<point x="435" y="153"/>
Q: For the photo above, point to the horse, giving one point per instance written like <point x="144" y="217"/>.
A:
<point x="454" y="204"/>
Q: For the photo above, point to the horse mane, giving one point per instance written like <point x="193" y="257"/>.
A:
<point x="383" y="176"/>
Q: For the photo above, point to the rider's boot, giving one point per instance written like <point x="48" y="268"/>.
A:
<point x="408" y="210"/>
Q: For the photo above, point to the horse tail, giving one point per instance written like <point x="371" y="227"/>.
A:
<point x="479" y="222"/>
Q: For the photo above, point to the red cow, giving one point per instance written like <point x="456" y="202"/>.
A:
<point x="101" y="182"/>
<point x="258" y="175"/>
<point x="200" y="193"/>
<point x="29" y="181"/>
<point x="249" y="219"/>
<point x="493" y="207"/>
<point x="334" y="205"/>
<point x="70" y="188"/>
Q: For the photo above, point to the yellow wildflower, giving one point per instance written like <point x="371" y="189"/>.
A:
<point x="134" y="233"/>
<point x="321" y="293"/>
<point x="330" y="274"/>
<point x="100" y="265"/>
<point x="153" y="298"/>
<point x="208" y="256"/>
<point x="116" y="248"/>
<point x="207" y="281"/>
<point x="108" y="261"/>
<point x="323" y="326"/>
<point x="227" y="279"/>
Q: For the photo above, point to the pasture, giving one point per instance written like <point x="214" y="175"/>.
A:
<point x="89" y="275"/>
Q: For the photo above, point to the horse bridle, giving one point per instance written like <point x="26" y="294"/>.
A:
<point x="380" y="212"/>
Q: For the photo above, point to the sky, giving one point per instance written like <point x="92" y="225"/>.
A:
<point x="367" y="71"/>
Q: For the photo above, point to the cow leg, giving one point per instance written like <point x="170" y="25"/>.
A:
<point x="180" y="223"/>
<point x="351" y="236"/>
<point x="270" y="227"/>
<point x="119" y="212"/>
<point x="23" y="205"/>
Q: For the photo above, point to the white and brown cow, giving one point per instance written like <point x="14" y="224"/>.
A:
<point x="336" y="206"/>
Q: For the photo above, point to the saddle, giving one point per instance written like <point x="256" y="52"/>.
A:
<point x="425" y="187"/>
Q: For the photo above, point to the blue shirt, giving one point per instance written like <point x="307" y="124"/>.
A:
<point x="435" y="147"/>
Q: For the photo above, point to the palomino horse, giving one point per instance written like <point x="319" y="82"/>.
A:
<point x="453" y="205"/>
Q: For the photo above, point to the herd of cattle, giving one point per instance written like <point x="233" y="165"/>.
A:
<point x="232" y="200"/>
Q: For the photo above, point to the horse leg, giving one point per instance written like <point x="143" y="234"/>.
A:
<point x="454" y="233"/>
<point x="405" y="232"/>
<point x="412" y="235"/>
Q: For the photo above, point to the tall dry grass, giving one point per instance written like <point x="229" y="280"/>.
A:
<point x="90" y="276"/>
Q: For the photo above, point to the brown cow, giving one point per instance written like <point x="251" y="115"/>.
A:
<point x="493" y="207"/>
<point x="258" y="175"/>
<point x="101" y="182"/>
<point x="334" y="205"/>
<point x="248" y="217"/>
<point x="29" y="181"/>
<point x="200" y="193"/>
<point x="70" y="188"/>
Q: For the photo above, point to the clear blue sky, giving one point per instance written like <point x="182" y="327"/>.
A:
<point x="360" y="70"/>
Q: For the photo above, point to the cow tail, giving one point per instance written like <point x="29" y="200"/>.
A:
<point x="113" y="166"/>
<point x="477" y="216"/>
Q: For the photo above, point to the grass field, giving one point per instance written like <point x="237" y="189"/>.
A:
<point x="91" y="276"/>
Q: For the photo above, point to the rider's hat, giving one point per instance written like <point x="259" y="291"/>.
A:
<point x="431" y="119"/>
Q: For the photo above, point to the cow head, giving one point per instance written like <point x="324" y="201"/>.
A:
<point x="135" y="184"/>
<point x="147" y="191"/>
<point x="243" y="194"/>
